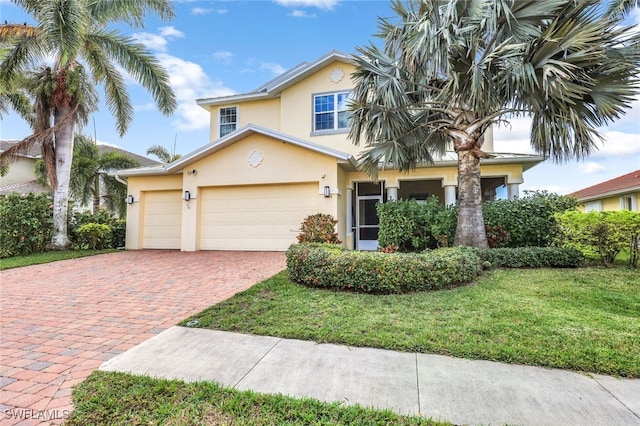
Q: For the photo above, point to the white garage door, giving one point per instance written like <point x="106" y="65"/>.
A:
<point x="162" y="219"/>
<point x="255" y="218"/>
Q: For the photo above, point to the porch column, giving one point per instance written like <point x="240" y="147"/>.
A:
<point x="449" y="195"/>
<point x="392" y="193"/>
<point x="349" y="222"/>
<point x="513" y="190"/>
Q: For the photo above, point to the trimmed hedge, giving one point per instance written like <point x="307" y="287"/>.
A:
<point x="331" y="266"/>
<point x="532" y="257"/>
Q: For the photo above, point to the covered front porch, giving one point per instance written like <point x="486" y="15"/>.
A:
<point x="500" y="180"/>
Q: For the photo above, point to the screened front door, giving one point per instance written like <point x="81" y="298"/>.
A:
<point x="367" y="223"/>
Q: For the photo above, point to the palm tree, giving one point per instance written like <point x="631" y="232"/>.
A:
<point x="85" y="51"/>
<point x="451" y="69"/>
<point x="89" y="180"/>
<point x="163" y="153"/>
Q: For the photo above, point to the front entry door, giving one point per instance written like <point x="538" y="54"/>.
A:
<point x="368" y="224"/>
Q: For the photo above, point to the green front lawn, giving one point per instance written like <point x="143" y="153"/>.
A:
<point x="579" y="319"/>
<point x="46" y="257"/>
<point x="122" y="399"/>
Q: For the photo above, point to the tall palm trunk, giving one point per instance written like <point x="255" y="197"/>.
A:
<point x="96" y="193"/>
<point x="470" y="231"/>
<point x="64" y="155"/>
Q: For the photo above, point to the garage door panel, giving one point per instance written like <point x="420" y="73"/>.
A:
<point x="162" y="220"/>
<point x="255" y="218"/>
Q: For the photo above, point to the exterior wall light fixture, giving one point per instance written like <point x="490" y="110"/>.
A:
<point x="187" y="195"/>
<point x="327" y="192"/>
<point x="129" y="199"/>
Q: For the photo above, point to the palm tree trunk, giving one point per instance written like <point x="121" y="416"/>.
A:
<point x="470" y="231"/>
<point x="96" y="194"/>
<point x="64" y="155"/>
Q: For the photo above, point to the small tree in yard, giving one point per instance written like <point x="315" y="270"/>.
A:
<point x="451" y="69"/>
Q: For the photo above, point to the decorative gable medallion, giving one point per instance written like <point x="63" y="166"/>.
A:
<point x="255" y="158"/>
<point x="336" y="75"/>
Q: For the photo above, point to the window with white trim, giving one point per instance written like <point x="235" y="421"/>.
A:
<point x="627" y="203"/>
<point x="228" y="120"/>
<point x="330" y="112"/>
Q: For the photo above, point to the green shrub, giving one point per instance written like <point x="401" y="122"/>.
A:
<point x="528" y="221"/>
<point x="375" y="272"/>
<point x="521" y="222"/>
<point x="94" y="235"/>
<point x="597" y="234"/>
<point x="319" y="228"/>
<point x="118" y="233"/>
<point x="26" y="223"/>
<point x="414" y="227"/>
<point x="532" y="257"/>
<point x="117" y="228"/>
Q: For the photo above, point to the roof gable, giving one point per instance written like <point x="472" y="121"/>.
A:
<point x="274" y="87"/>
<point x="627" y="182"/>
<point x="250" y="129"/>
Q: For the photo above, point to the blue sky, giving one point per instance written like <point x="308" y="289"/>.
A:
<point x="215" y="48"/>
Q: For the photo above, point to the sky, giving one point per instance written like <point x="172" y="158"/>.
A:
<point x="219" y="48"/>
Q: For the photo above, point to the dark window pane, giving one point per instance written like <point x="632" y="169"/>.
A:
<point x="324" y="121"/>
<point x="225" y="129"/>
<point x="368" y="188"/>
<point x="369" y="234"/>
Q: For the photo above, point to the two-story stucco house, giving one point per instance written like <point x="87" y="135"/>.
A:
<point x="277" y="155"/>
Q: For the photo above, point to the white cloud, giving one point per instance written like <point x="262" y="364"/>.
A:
<point x="206" y="11"/>
<point x="301" y="14"/>
<point x="158" y="42"/>
<point x="223" y="56"/>
<point x="189" y="82"/>
<point x="320" y="4"/>
<point x="591" y="167"/>
<point x="514" y="138"/>
<point x="619" y="144"/>
<point x="151" y="41"/>
<point x="171" y="32"/>
<point x="276" y="69"/>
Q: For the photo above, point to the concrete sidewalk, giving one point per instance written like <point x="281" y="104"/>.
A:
<point x="457" y="390"/>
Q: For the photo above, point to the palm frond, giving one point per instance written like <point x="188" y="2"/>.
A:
<point x="62" y="24"/>
<point x="621" y="8"/>
<point x="131" y="12"/>
<point x="137" y="61"/>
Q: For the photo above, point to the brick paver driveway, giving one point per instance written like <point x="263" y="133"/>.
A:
<point x="60" y="321"/>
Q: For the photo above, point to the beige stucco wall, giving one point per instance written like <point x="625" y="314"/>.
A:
<point x="297" y="106"/>
<point x="281" y="163"/>
<point x="264" y="113"/>
<point x="613" y="203"/>
<point x="21" y="170"/>
<point x="137" y="186"/>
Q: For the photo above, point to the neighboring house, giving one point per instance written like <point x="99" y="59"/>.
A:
<point x="279" y="154"/>
<point x="620" y="193"/>
<point x="20" y="176"/>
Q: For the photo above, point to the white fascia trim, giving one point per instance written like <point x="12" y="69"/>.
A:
<point x="208" y="102"/>
<point x="275" y="86"/>
<point x="625" y="191"/>
<point x="244" y="132"/>
<point x="142" y="171"/>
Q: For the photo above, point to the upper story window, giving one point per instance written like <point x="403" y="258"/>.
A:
<point x="330" y="112"/>
<point x="228" y="120"/>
